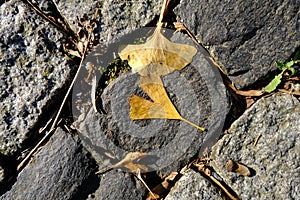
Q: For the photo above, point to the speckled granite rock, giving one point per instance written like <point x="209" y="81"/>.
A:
<point x="125" y="16"/>
<point x="245" y="37"/>
<point x="33" y="71"/>
<point x="58" y="171"/>
<point x="275" y="158"/>
<point x="33" y="68"/>
<point x="74" y="9"/>
<point x="193" y="186"/>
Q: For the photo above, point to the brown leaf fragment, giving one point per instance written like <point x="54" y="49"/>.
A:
<point x="237" y="167"/>
<point x="128" y="162"/>
<point x="139" y="176"/>
<point x="163" y="188"/>
<point x="250" y="93"/>
<point x="246" y="93"/>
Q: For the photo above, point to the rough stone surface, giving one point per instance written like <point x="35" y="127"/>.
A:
<point x="33" y="70"/>
<point x="245" y="37"/>
<point x="193" y="186"/>
<point x="117" y="18"/>
<point x="119" y="185"/>
<point x="125" y="16"/>
<point x="275" y="158"/>
<point x="56" y="172"/>
<point x="72" y="10"/>
<point x="170" y="143"/>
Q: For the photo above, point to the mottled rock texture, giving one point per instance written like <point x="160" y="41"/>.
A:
<point x="193" y="185"/>
<point x="33" y="71"/>
<point x="274" y="160"/>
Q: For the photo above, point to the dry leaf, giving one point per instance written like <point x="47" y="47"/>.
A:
<point x="161" y="107"/>
<point x="157" y="57"/>
<point x="165" y="56"/>
<point x="163" y="188"/>
<point x="128" y="162"/>
<point x="237" y="167"/>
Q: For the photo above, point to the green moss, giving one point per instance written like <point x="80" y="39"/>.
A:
<point x="114" y="69"/>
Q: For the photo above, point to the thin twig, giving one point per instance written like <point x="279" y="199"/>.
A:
<point x="138" y="175"/>
<point x="28" y="156"/>
<point x="204" y="169"/>
<point x="70" y="87"/>
<point x="54" y="124"/>
<point x="67" y="29"/>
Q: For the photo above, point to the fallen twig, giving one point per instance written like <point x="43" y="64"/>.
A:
<point x="56" y="119"/>
<point x="60" y="24"/>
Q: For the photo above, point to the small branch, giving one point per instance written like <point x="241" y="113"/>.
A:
<point x="65" y="28"/>
<point x="56" y="119"/>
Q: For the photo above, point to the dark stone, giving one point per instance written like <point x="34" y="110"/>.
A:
<point x="275" y="157"/>
<point x="8" y="167"/>
<point x="245" y="37"/>
<point x="199" y="95"/>
<point x="119" y="185"/>
<point x="58" y="171"/>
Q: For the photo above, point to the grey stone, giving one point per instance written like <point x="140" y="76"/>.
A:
<point x="193" y="186"/>
<point x="33" y="71"/>
<point x="120" y="18"/>
<point x="274" y="161"/>
<point x="116" y="18"/>
<point x="33" y="68"/>
<point x="198" y="94"/>
<point x="245" y="37"/>
<point x="119" y="185"/>
<point x="56" y="172"/>
<point x="71" y="10"/>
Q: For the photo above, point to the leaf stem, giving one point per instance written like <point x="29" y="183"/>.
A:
<point x="191" y="123"/>
<point x="162" y="14"/>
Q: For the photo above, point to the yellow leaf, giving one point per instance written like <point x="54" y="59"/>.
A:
<point x="161" y="107"/>
<point x="157" y="57"/>
<point x="167" y="56"/>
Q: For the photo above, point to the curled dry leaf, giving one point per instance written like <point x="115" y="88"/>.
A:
<point x="237" y="167"/>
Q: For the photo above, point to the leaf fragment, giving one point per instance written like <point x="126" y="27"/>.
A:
<point x="129" y="162"/>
